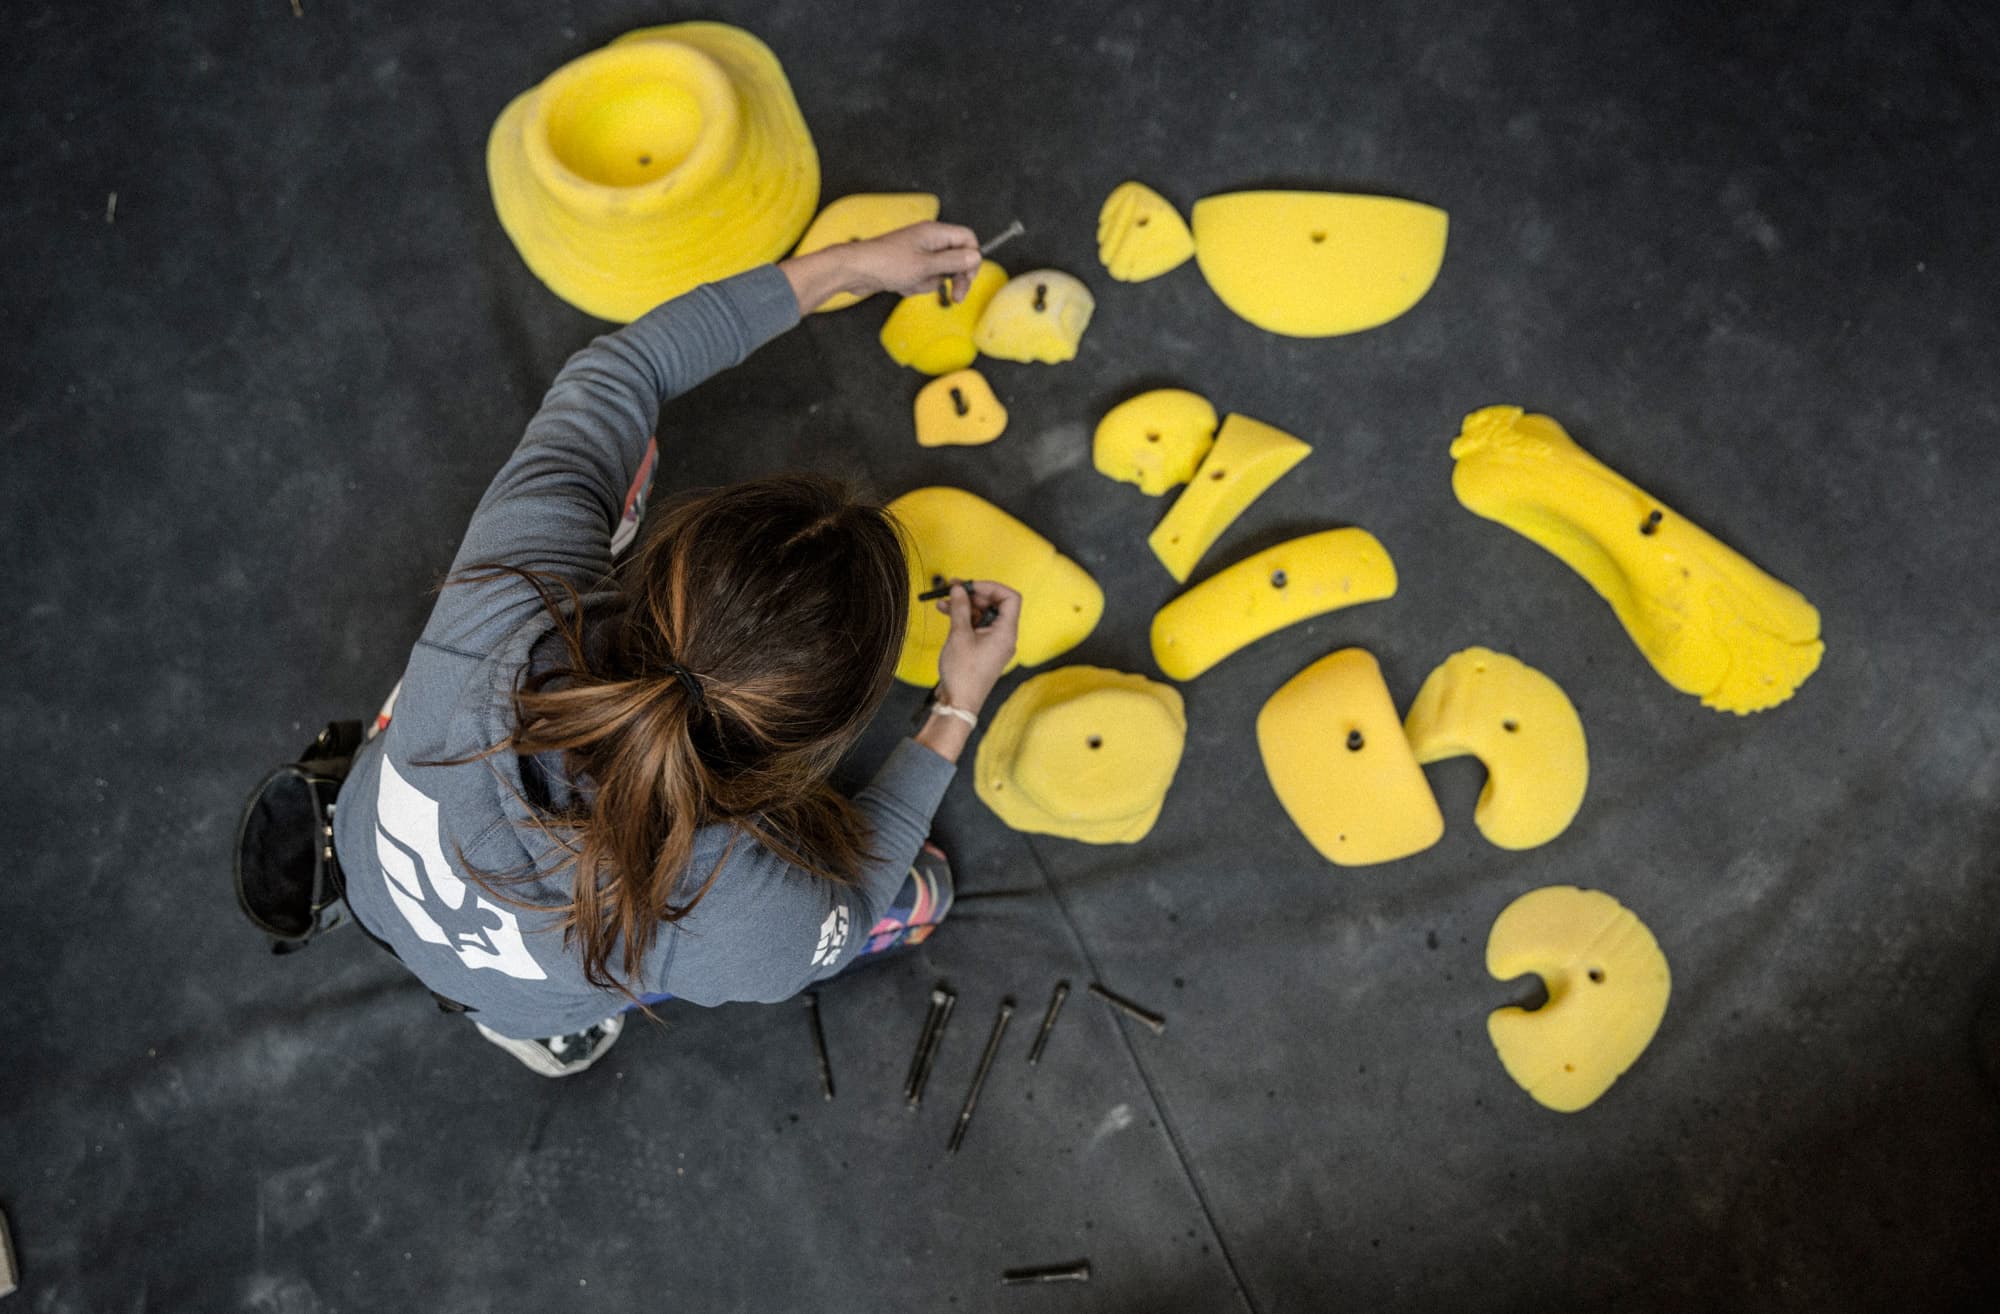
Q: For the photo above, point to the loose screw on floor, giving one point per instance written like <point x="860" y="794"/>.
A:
<point x="819" y="1044"/>
<point x="1048" y="1022"/>
<point x="942" y="1002"/>
<point x="1151" y="1019"/>
<point x="1077" y="1272"/>
<point x="979" y="1077"/>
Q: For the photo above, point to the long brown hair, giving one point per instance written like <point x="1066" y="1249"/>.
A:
<point x="753" y="635"/>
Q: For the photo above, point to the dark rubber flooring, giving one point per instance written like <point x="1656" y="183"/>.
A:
<point x="1744" y="251"/>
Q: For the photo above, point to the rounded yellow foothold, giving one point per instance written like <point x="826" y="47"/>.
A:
<point x="935" y="337"/>
<point x="959" y="410"/>
<point x="1039" y="317"/>
<point x="1155" y="440"/>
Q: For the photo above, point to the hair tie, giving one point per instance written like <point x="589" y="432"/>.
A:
<point x="688" y="682"/>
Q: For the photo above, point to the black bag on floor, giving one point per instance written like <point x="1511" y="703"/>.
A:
<point x="287" y="879"/>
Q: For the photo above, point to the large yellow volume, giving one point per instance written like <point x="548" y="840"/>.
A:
<point x="954" y="534"/>
<point x="1523" y="729"/>
<point x="670" y="158"/>
<point x="1247" y="458"/>
<point x="1261" y="594"/>
<point x="1711" y="623"/>
<point x="859" y="217"/>
<point x="1314" y="264"/>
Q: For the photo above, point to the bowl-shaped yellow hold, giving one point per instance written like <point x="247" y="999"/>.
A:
<point x="1084" y="753"/>
<point x="1038" y="317"/>
<point x="1247" y="458"/>
<point x="859" y="217"/>
<point x="1155" y="440"/>
<point x="1607" y="984"/>
<point x="954" y="534"/>
<point x="670" y="158"/>
<point x="1315" y="264"/>
<point x="934" y="335"/>
<point x="1140" y="235"/>
<point x="958" y="410"/>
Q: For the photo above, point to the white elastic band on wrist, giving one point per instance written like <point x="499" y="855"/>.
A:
<point x="946" y="709"/>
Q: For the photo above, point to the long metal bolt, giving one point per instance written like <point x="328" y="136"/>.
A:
<point x="1151" y="1019"/>
<point x="1077" y="1272"/>
<point x="927" y="1051"/>
<point x="979" y="1077"/>
<point x="1048" y="1022"/>
<point x="819" y="1044"/>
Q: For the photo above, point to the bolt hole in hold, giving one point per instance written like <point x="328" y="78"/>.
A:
<point x="645" y="160"/>
<point x="937" y="581"/>
<point x="1569" y="1067"/>
<point x="1095" y="741"/>
<point x="1142" y="221"/>
<point x="1510" y="726"/>
<point x="1318" y="236"/>
<point x="1652" y="524"/>
<point x="1278" y="579"/>
<point x="1219" y="474"/>
<point x="958" y="401"/>
<point x="1152" y="437"/>
<point x="1041" y="296"/>
<point x="1354" y="741"/>
<point x="1597" y="975"/>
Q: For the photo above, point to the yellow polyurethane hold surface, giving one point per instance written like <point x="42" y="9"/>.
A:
<point x="1155" y="440"/>
<point x="1039" y="317"/>
<point x="670" y="158"/>
<point x="959" y="410"/>
<point x="1140" y="235"/>
<point x="1314" y="264"/>
<point x="1084" y="753"/>
<point x="1336" y="757"/>
<point x="1711" y="623"/>
<point x="957" y="535"/>
<point x="1521" y="726"/>
<point x="1247" y="458"/>
<point x="859" y="217"/>
<point x="1607" y="983"/>
<point x="1262" y="594"/>
<point x="936" y="338"/>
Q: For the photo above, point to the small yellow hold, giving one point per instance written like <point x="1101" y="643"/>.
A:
<point x="1039" y="316"/>
<point x="1521" y="726"/>
<point x="1154" y="440"/>
<point x="1607" y="984"/>
<point x="859" y="217"/>
<point x="935" y="336"/>
<point x="959" y="410"/>
<point x="1140" y="235"/>
<point x="1084" y="753"/>
<point x="1336" y="757"/>
<point x="1248" y="457"/>
<point x="1262" y="594"/>
<point x="1711" y="623"/>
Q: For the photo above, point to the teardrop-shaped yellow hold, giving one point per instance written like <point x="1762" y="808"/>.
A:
<point x="959" y="410"/>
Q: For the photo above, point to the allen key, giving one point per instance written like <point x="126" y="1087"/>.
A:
<point x="979" y="1077"/>
<point x="1153" y="1020"/>
<point x="819" y="1044"/>
<point x="1048" y="1022"/>
<point x="942" y="1002"/>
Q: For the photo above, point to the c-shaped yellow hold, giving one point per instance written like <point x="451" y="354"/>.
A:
<point x="1711" y="623"/>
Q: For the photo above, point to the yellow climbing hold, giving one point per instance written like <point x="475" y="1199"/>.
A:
<point x="935" y="336"/>
<point x="959" y="410"/>
<point x="859" y="217"/>
<point x="1154" y="440"/>
<point x="1711" y="623"/>
<point x="1140" y="235"/>
<point x="1039" y="316"/>
<point x="1247" y="458"/>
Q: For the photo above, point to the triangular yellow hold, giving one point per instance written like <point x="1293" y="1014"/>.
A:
<point x="1140" y="235"/>
<point x="959" y="410"/>
<point x="859" y="217"/>
<point x="1248" y="457"/>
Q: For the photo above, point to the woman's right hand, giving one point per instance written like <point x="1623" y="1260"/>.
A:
<point x="975" y="655"/>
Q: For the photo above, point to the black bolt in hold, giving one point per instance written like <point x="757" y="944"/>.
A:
<point x="1153" y="1020"/>
<point x="1652" y="523"/>
<point x="819" y="1044"/>
<point x="979" y="1077"/>
<point x="942" y="1002"/>
<point x="1077" y="1272"/>
<point x="1048" y="1022"/>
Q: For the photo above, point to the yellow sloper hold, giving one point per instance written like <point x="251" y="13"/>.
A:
<point x="1039" y="316"/>
<point x="1711" y="623"/>
<point x="935" y="337"/>
<point x="1314" y="264"/>
<point x="1248" y="457"/>
<point x="957" y="535"/>
<point x="959" y="410"/>
<point x="1335" y="753"/>
<point x="670" y="158"/>
<point x="859" y="217"/>
<point x="1607" y="983"/>
<point x="1140" y="235"/>
<point x="1262" y="594"/>
<point x="1084" y="753"/>
<point x="1521" y="726"/>
<point x="1154" y="440"/>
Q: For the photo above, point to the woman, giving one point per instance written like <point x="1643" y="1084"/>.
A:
<point x="601" y="788"/>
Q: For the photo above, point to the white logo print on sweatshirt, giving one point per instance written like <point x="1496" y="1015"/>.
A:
<point x="832" y="937"/>
<point x="436" y="903"/>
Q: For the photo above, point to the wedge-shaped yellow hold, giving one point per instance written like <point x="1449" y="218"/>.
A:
<point x="1155" y="440"/>
<point x="1262" y="594"/>
<point x="1521" y="726"/>
<point x="1039" y="316"/>
<point x="1711" y="623"/>
<point x="1314" y="264"/>
<point x="1140" y="235"/>
<point x="1335" y="753"/>
<point x="1084" y="753"/>
<point x="935" y="336"/>
<point x="859" y="217"/>
<point x="1607" y="983"/>
<point x="1248" y="457"/>
<point x="957" y="535"/>
<point x="959" y="410"/>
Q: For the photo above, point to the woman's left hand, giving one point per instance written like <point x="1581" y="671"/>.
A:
<point x="908" y="261"/>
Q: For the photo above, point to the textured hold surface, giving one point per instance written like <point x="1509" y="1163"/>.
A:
<point x="1523" y="729"/>
<point x="1711" y="623"/>
<point x="1084" y="753"/>
<point x="1607" y="983"/>
<point x="1247" y="458"/>
<point x="936" y="338"/>
<point x="672" y="157"/>
<point x="959" y="410"/>
<point x="1140" y="235"/>
<point x="859" y="217"/>
<point x="1336" y="757"/>
<point x="1155" y="440"/>
<point x="1262" y="594"/>
<point x="1315" y="264"/>
<point x="1038" y="317"/>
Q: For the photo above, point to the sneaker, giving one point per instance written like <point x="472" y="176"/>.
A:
<point x="561" y="1056"/>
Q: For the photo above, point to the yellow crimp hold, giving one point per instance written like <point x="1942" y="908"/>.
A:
<point x="954" y="534"/>
<point x="1521" y="726"/>
<point x="859" y="217"/>
<point x="1154" y="440"/>
<point x="1248" y="457"/>
<point x="1335" y="754"/>
<point x="959" y="410"/>
<point x="1084" y="753"/>
<point x="1140" y="235"/>
<point x="670" y="158"/>
<point x="1314" y="264"/>
<point x="936" y="337"/>
<point x="1607" y="983"/>
<point x="1711" y="623"/>
<point x="1262" y="594"/>
<point x="1039" y="316"/>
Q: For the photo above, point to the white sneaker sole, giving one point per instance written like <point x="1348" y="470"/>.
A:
<point x="537" y="1057"/>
